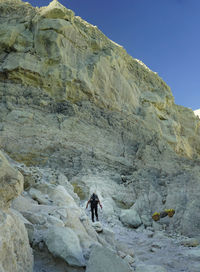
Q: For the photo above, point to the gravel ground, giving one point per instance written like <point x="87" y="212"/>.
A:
<point x="160" y="248"/>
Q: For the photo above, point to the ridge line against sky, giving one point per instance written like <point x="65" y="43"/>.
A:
<point x="162" y="34"/>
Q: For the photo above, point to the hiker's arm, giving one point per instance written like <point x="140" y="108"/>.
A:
<point x="87" y="203"/>
<point x="100" y="204"/>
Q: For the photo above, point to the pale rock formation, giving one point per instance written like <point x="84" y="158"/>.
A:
<point x="109" y="236"/>
<point x="97" y="226"/>
<point x="103" y="260"/>
<point x="15" y="251"/>
<point x="131" y="218"/>
<point x="11" y="182"/>
<point x="64" y="243"/>
<point x="73" y="100"/>
<point x="60" y="211"/>
<point x="75" y="103"/>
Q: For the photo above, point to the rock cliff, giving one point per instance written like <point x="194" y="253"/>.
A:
<point x="77" y="110"/>
<point x="15" y="252"/>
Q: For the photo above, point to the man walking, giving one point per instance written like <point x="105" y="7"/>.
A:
<point x="94" y="201"/>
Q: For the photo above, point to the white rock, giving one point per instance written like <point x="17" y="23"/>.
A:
<point x="15" y="252"/>
<point x="97" y="226"/>
<point x="54" y="221"/>
<point x="38" y="196"/>
<point x="130" y="260"/>
<point x="64" y="243"/>
<point x="11" y="182"/>
<point x="131" y="218"/>
<point x="103" y="260"/>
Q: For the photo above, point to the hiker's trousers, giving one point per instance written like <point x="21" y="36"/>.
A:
<point x="94" y="210"/>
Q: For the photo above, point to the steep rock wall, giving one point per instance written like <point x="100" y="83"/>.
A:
<point x="74" y="101"/>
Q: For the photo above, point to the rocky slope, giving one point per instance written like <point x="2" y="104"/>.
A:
<point x="78" y="114"/>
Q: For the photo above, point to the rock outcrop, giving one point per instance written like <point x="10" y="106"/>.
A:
<point x="77" y="110"/>
<point x="103" y="259"/>
<point x="15" y="252"/>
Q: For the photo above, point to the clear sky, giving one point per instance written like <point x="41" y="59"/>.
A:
<point x="164" y="34"/>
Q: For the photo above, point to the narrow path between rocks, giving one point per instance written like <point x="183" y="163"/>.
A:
<point x="158" y="248"/>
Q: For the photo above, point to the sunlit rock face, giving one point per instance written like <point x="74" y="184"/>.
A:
<point x="197" y="112"/>
<point x="15" y="251"/>
<point x="75" y="102"/>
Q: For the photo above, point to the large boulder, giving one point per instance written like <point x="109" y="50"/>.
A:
<point x="64" y="243"/>
<point x="15" y="252"/>
<point x="131" y="218"/>
<point x="103" y="259"/>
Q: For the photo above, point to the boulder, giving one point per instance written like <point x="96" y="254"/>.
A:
<point x="97" y="226"/>
<point x="15" y="252"/>
<point x="103" y="259"/>
<point x="130" y="218"/>
<point x="38" y="196"/>
<point x="64" y="243"/>
<point x="109" y="236"/>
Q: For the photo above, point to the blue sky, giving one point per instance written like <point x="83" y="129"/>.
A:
<point x="164" y="34"/>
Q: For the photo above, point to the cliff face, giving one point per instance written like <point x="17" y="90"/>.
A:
<point x="75" y="103"/>
<point x="15" y="252"/>
<point x="54" y="61"/>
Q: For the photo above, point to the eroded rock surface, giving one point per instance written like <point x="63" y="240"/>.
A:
<point x="77" y="115"/>
<point x="103" y="259"/>
<point x="15" y="252"/>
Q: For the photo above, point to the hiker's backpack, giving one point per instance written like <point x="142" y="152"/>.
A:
<point x="94" y="199"/>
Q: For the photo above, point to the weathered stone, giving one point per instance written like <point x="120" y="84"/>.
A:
<point x="56" y="10"/>
<point x="109" y="236"/>
<point x="78" y="103"/>
<point x="97" y="226"/>
<point x="15" y="252"/>
<point x="11" y="182"/>
<point x="64" y="243"/>
<point x="38" y="196"/>
<point x="131" y="218"/>
<point x="103" y="260"/>
<point x="130" y="260"/>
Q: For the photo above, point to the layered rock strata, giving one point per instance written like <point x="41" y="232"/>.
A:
<point x="74" y="103"/>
